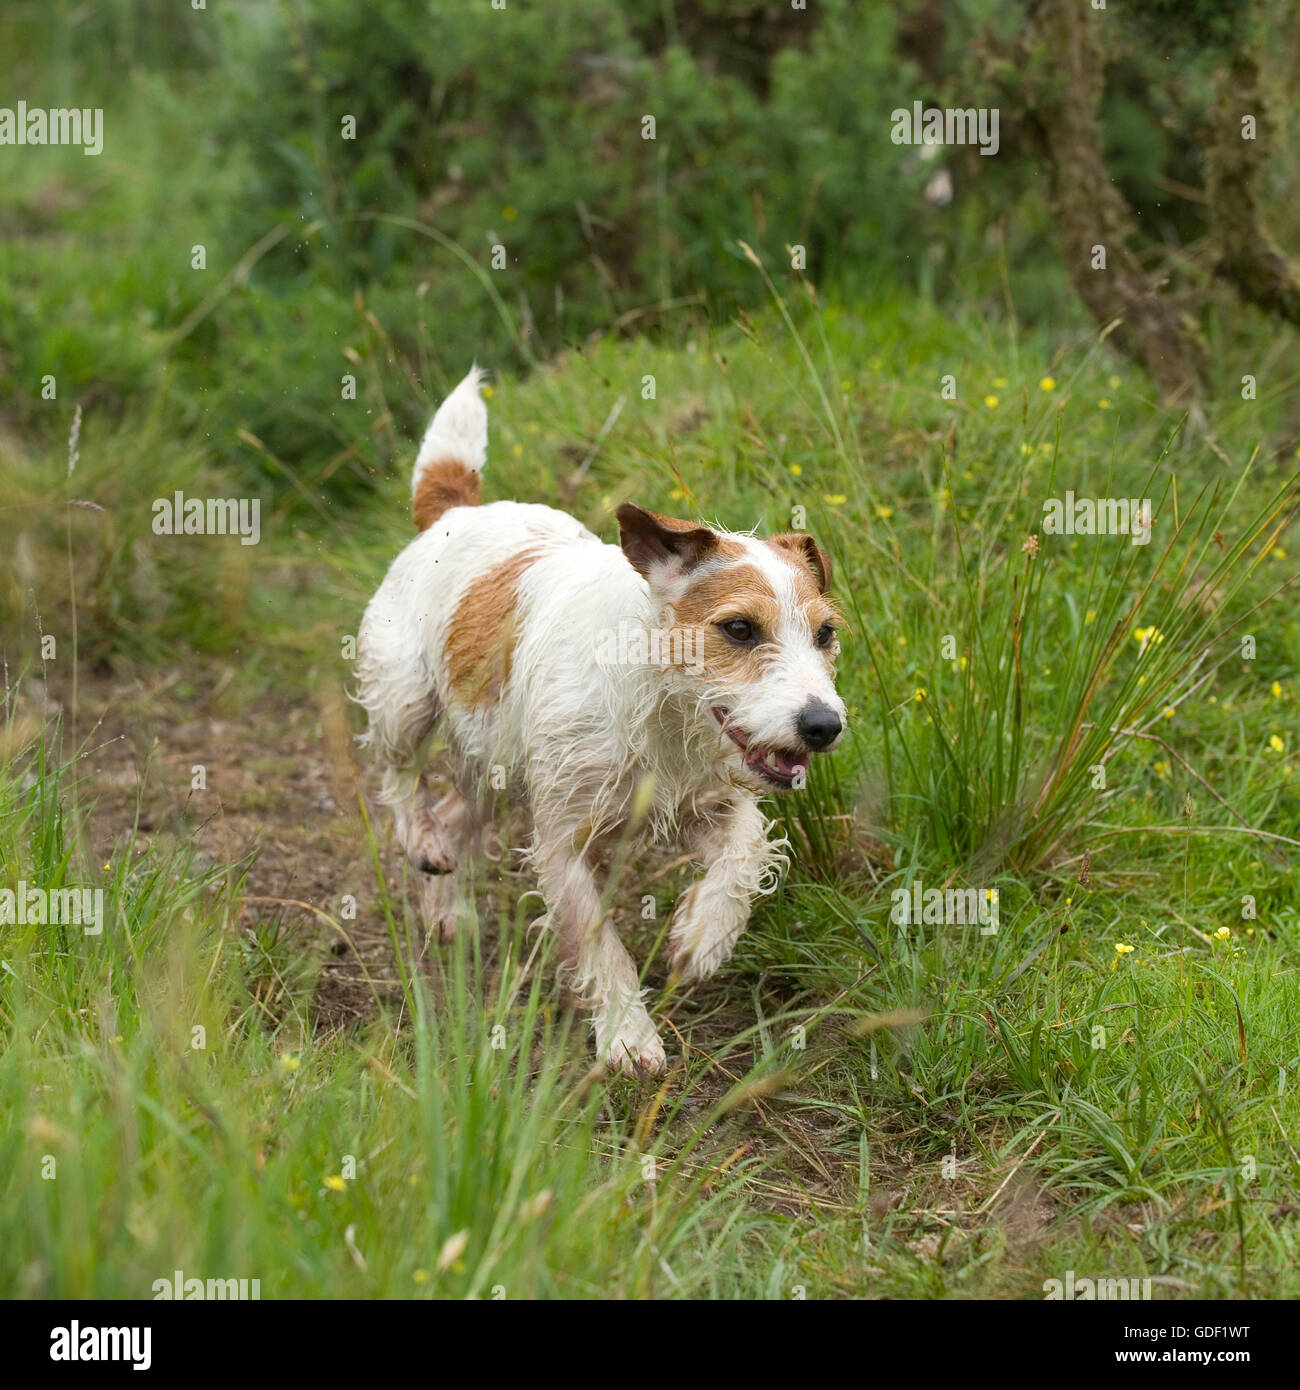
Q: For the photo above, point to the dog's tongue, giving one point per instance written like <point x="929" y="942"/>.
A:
<point x="774" y="757"/>
<point x="789" y="766"/>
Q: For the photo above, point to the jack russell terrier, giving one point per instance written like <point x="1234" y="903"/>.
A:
<point x="657" y="687"/>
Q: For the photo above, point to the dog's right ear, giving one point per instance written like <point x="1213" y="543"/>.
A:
<point x="661" y="548"/>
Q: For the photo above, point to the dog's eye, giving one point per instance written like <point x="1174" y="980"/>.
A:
<point x="825" y="634"/>
<point x="740" y="630"/>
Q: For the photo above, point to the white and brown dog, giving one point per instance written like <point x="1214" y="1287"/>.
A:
<point x="662" y="686"/>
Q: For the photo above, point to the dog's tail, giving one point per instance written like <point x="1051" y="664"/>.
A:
<point x="449" y="466"/>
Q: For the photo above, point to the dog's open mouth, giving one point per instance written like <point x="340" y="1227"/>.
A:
<point x="778" y="767"/>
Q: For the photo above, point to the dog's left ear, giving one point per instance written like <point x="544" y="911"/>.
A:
<point x="661" y="547"/>
<point x="808" y="553"/>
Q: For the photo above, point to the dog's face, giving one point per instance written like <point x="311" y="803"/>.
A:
<point x="762" y="639"/>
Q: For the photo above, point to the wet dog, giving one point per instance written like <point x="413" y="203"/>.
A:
<point x="663" y="685"/>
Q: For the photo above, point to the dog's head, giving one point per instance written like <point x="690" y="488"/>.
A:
<point x="759" y="638"/>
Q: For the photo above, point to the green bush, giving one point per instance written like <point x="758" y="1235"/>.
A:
<point x="372" y="257"/>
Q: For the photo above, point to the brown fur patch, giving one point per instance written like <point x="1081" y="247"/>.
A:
<point x="799" y="548"/>
<point x="811" y="566"/>
<point x="480" y="642"/>
<point x="742" y="591"/>
<point x="735" y="591"/>
<point x="444" y="484"/>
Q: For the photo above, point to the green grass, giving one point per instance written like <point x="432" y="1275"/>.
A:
<point x="862" y="1108"/>
<point x="857" y="1108"/>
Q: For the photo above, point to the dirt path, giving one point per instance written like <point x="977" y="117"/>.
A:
<point x="281" y="797"/>
<point x="279" y="793"/>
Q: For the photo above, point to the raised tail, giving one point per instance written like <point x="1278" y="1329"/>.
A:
<point x="449" y="466"/>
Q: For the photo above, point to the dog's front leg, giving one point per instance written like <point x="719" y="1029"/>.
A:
<point x="741" y="863"/>
<point x="596" y="966"/>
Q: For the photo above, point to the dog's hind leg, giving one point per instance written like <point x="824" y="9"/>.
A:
<point x="429" y="845"/>
<point x="399" y="697"/>
<point x="440" y="893"/>
<point x="420" y="831"/>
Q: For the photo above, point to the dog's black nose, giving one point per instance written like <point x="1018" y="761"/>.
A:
<point x="819" y="725"/>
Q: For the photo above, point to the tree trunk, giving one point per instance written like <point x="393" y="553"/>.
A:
<point x="1247" y="257"/>
<point x="1091" y="213"/>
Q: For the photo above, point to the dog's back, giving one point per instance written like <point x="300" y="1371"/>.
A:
<point x="483" y="590"/>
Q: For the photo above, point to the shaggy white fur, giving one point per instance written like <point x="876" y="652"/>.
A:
<point x="590" y="723"/>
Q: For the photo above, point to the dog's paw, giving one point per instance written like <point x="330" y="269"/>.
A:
<point x="440" y="905"/>
<point x="429" y="843"/>
<point x="635" y="1048"/>
<point x="430" y="851"/>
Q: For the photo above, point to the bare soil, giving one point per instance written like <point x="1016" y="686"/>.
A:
<point x="282" y="798"/>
